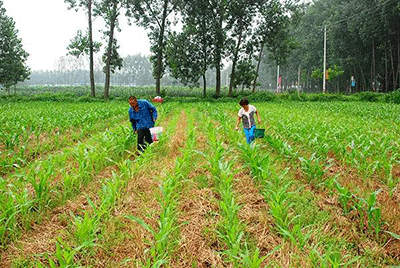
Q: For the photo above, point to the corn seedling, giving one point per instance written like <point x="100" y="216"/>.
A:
<point x="374" y="213"/>
<point x="65" y="255"/>
<point x="252" y="259"/>
<point x="86" y="229"/>
<point x="344" y="197"/>
<point x="313" y="169"/>
<point x="231" y="230"/>
<point x="257" y="162"/>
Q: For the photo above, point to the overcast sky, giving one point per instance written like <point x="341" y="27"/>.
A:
<point x="47" y="26"/>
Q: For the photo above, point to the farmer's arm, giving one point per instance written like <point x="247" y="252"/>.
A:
<point x="258" y="117"/>
<point x="134" y="125"/>
<point x="153" y="111"/>
<point x="133" y="121"/>
<point x="237" y="122"/>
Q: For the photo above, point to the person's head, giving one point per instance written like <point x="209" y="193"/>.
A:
<point x="133" y="101"/>
<point x="244" y="102"/>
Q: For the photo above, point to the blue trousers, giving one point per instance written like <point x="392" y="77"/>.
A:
<point x="249" y="132"/>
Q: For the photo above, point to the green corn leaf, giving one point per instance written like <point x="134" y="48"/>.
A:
<point x="396" y="236"/>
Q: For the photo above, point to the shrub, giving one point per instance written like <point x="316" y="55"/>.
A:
<point x="393" y="97"/>
<point x="369" y="96"/>
<point x="262" y="96"/>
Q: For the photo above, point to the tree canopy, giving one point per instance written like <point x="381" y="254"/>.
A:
<point x="13" y="68"/>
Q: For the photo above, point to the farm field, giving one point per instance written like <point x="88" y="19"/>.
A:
<point x="321" y="189"/>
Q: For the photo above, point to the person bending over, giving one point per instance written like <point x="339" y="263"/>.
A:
<point x="246" y="114"/>
<point x="142" y="115"/>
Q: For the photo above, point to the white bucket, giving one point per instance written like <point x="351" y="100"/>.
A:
<point x="156" y="133"/>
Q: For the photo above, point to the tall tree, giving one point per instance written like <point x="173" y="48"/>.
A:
<point x="363" y="40"/>
<point x="189" y="54"/>
<point x="241" y="17"/>
<point x="183" y="59"/>
<point x="13" y="57"/>
<point x="84" y="44"/>
<point x="218" y="10"/>
<point x="157" y="16"/>
<point x="272" y="21"/>
<point x="109" y="10"/>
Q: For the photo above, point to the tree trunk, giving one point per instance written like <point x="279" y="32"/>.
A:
<point x="398" y="60"/>
<point x="204" y="85"/>
<point x="160" y="53"/>
<point x="92" y="85"/>
<point x="109" y="49"/>
<point x="258" y="67"/>
<point x="218" y="54"/>
<point x="204" y="71"/>
<point x="363" y="78"/>
<point x="393" y="69"/>
<point x="218" y="79"/>
<point x="373" y="66"/>
<point x="235" y="58"/>
<point x="386" y="70"/>
<point x="396" y="70"/>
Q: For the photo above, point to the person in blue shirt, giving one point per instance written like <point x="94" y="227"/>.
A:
<point x="142" y="115"/>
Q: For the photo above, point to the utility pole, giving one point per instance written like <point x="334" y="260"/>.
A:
<point x="324" y="83"/>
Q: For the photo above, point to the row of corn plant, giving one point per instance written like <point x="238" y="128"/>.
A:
<point x="34" y="189"/>
<point x="231" y="230"/>
<point x="315" y="169"/>
<point x="362" y="141"/>
<point x="89" y="226"/>
<point x="287" y="209"/>
<point x="290" y="223"/>
<point x="30" y="130"/>
<point x="166" y="236"/>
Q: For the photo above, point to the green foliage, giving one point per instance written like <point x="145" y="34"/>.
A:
<point x="80" y="45"/>
<point x="331" y="74"/>
<point x="114" y="60"/>
<point x="13" y="57"/>
<point x="184" y="59"/>
<point x="244" y="74"/>
<point x="393" y="97"/>
<point x="362" y="37"/>
<point x="65" y="255"/>
<point x="369" y="96"/>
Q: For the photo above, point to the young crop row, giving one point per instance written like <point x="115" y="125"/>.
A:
<point x="32" y="129"/>
<point x="365" y="205"/>
<point x="43" y="184"/>
<point x="321" y="149"/>
<point x="202" y="197"/>
<point x="363" y="138"/>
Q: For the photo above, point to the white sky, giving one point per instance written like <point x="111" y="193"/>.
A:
<point x="47" y="26"/>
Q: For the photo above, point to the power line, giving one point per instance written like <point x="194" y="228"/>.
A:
<point x="373" y="8"/>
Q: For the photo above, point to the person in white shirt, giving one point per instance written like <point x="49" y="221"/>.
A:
<point x="246" y="114"/>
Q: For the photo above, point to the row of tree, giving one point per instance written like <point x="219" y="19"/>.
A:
<point x="251" y="37"/>
<point x="136" y="71"/>
<point x="362" y="45"/>
<point x="213" y="32"/>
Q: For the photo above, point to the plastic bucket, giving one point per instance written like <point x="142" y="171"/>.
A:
<point x="156" y="133"/>
<point x="259" y="133"/>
